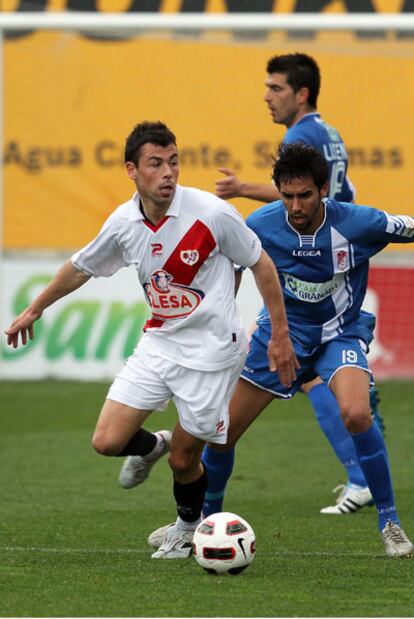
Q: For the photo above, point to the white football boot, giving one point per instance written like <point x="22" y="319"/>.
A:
<point x="177" y="544"/>
<point x="396" y="542"/>
<point x="156" y="538"/>
<point x="136" y="469"/>
<point x="351" y="499"/>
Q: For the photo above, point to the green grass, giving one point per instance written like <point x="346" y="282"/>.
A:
<point x="73" y="543"/>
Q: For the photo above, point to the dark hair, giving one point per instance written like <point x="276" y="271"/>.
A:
<point x="299" y="160"/>
<point x="301" y="70"/>
<point x="144" y="133"/>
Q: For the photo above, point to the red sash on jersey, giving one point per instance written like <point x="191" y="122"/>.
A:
<point x="186" y="260"/>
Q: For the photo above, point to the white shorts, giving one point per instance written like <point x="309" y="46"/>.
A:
<point x="148" y="381"/>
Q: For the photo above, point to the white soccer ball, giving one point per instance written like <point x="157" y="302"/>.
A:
<point x="224" y="543"/>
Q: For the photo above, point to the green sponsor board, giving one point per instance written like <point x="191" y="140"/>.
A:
<point x="80" y="329"/>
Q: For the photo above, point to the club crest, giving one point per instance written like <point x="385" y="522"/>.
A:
<point x="189" y="256"/>
<point x="342" y="259"/>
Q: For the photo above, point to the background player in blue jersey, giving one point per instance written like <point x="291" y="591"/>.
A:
<point x="292" y="89"/>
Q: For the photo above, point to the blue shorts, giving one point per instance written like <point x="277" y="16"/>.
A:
<point x="324" y="361"/>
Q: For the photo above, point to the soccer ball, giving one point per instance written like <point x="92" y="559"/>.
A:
<point x="224" y="543"/>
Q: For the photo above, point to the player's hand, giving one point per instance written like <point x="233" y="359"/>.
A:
<point x="230" y="186"/>
<point x="22" y="325"/>
<point x="282" y="359"/>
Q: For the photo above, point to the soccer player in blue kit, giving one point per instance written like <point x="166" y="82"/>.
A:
<point x="292" y="89"/>
<point x="322" y="249"/>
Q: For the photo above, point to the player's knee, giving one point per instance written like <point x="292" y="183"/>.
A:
<point x="104" y="444"/>
<point x="181" y="461"/>
<point x="357" y="418"/>
<point x="233" y="436"/>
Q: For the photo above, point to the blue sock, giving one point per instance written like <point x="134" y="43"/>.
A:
<point x="218" y="466"/>
<point x="373" y="458"/>
<point x="329" y="417"/>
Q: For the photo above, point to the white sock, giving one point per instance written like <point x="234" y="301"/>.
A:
<point x="154" y="450"/>
<point x="186" y="526"/>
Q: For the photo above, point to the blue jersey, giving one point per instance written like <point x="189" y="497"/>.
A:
<point x="312" y="130"/>
<point x="324" y="275"/>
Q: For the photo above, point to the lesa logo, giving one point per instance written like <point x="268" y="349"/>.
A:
<point x="169" y="300"/>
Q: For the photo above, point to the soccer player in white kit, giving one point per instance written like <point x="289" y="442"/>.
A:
<point x="183" y="243"/>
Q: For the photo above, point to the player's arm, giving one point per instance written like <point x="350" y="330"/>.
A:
<point x="374" y="229"/>
<point x="232" y="187"/>
<point x="280" y="350"/>
<point x="399" y="228"/>
<point x="66" y="280"/>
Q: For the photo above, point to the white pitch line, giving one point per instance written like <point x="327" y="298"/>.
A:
<point x="131" y="551"/>
<point x="108" y="551"/>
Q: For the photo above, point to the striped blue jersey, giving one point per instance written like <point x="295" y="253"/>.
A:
<point x="312" y="130"/>
<point x="324" y="275"/>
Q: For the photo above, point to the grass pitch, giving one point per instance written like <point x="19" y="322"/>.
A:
<point x="73" y="543"/>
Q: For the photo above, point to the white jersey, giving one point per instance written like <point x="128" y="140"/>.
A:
<point x="185" y="265"/>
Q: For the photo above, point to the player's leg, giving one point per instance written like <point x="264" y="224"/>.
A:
<point x="119" y="433"/>
<point x="247" y="403"/>
<point x="343" y="363"/>
<point x="189" y="485"/>
<point x="351" y="388"/>
<point x="327" y="413"/>
<point x="118" y="429"/>
<point x="143" y="451"/>
<point x="255" y="390"/>
<point x="202" y="401"/>
<point x="135" y="392"/>
<point x="355" y="494"/>
<point x="219" y="466"/>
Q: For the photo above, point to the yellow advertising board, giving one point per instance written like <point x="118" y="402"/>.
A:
<point x="70" y="101"/>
